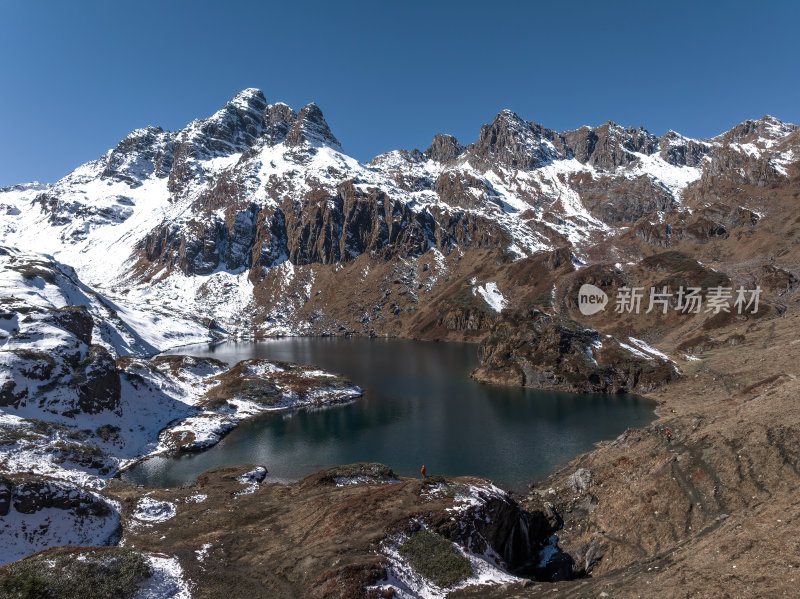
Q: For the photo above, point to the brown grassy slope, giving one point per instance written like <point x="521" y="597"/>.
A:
<point x="716" y="511"/>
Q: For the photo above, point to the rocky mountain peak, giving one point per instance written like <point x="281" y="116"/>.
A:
<point x="140" y="154"/>
<point x="609" y="146"/>
<point x="767" y="127"/>
<point x="311" y="128"/>
<point x="278" y="119"/>
<point x="516" y="143"/>
<point x="444" y="148"/>
<point x="250" y="98"/>
<point x="676" y="149"/>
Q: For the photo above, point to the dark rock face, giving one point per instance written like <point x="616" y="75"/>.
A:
<point x="710" y="221"/>
<point x="544" y="352"/>
<point x="6" y="492"/>
<point x="142" y="153"/>
<point x="242" y="237"/>
<point x="517" y="536"/>
<point x="322" y="229"/>
<point x="278" y="121"/>
<point x="76" y="320"/>
<point x="32" y="496"/>
<point x="461" y="189"/>
<point x="512" y="142"/>
<point x="679" y="151"/>
<point x="11" y="395"/>
<point x="609" y="146"/>
<point x="310" y="127"/>
<point x="732" y="166"/>
<point x="444" y="148"/>
<point x="202" y="246"/>
<point x="622" y="200"/>
<point x="97" y="382"/>
<point x="270" y="246"/>
<point x="355" y="221"/>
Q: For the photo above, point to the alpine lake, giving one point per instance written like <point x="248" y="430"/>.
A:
<point x="419" y="407"/>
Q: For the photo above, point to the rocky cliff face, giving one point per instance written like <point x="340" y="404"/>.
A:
<point x="539" y="351"/>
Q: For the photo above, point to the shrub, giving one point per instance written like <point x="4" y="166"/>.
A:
<point x="103" y="574"/>
<point x="436" y="559"/>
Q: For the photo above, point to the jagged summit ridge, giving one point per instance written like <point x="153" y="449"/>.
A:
<point x="258" y="189"/>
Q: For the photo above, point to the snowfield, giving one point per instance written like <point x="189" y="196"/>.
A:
<point x="81" y="400"/>
<point x="47" y="513"/>
<point x="167" y="581"/>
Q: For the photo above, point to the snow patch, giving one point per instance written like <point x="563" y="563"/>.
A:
<point x="151" y="511"/>
<point x="167" y="581"/>
<point x="491" y="295"/>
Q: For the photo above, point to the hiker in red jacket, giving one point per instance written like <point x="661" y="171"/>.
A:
<point x="422" y="471"/>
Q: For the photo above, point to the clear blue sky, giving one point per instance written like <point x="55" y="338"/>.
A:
<point x="77" y="77"/>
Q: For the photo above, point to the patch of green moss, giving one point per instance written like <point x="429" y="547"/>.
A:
<point x="436" y="559"/>
<point x="111" y="574"/>
<point x="466" y="300"/>
<point x="371" y="470"/>
<point x="252" y="388"/>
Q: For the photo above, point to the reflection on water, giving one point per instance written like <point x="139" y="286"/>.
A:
<point x="419" y="406"/>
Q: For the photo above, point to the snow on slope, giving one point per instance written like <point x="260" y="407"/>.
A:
<point x="491" y="295"/>
<point x="72" y="411"/>
<point x="167" y="582"/>
<point x="123" y="330"/>
<point x="44" y="514"/>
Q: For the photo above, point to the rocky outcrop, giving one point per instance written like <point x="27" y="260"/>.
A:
<point x="678" y="150"/>
<point x="97" y="381"/>
<point x="143" y="153"/>
<point x="324" y="229"/>
<point x="512" y="142"/>
<point x="444" y="149"/>
<point x="609" y="146"/>
<point x="311" y="128"/>
<point x="534" y="349"/>
<point x="33" y="495"/>
<point x="38" y="512"/>
<point x="623" y="200"/>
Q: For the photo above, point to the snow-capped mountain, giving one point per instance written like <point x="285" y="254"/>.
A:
<point x="256" y="219"/>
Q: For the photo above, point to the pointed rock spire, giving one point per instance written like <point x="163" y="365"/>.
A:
<point x="250" y="99"/>
<point x="444" y="148"/>
<point x="311" y="128"/>
<point x="278" y="120"/>
<point x="512" y="141"/>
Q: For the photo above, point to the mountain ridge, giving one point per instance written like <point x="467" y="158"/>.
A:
<point x="246" y="206"/>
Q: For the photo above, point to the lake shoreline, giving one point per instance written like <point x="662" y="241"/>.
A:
<point x="451" y="377"/>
